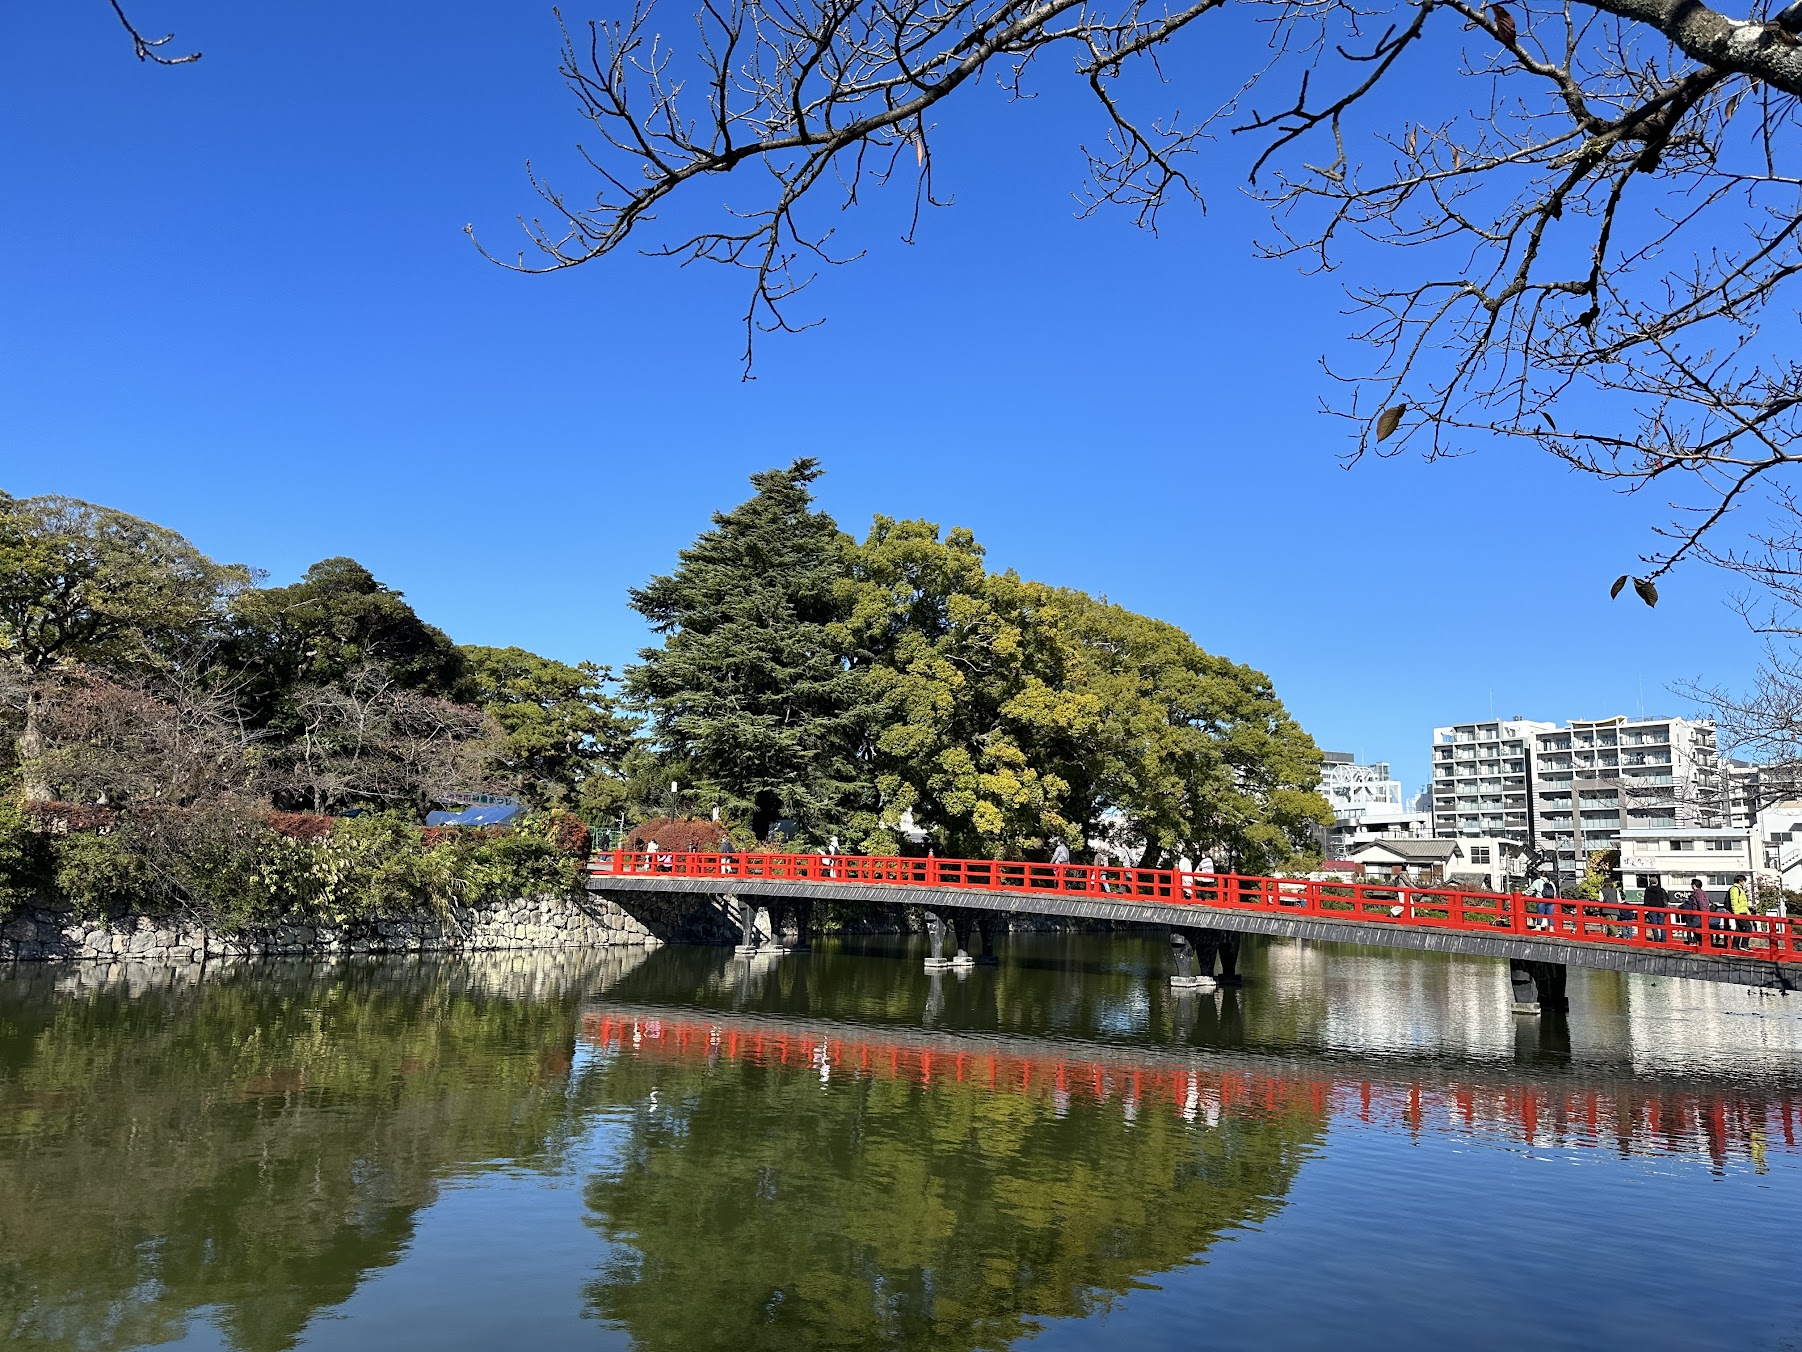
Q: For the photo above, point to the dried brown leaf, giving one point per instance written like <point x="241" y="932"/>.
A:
<point x="1647" y="592"/>
<point x="1615" y="590"/>
<point x="1388" y="420"/>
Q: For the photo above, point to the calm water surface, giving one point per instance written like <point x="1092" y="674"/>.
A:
<point x="682" y="1150"/>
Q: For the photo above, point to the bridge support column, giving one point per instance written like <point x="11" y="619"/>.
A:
<point x="801" y="914"/>
<point x="1538" y="986"/>
<point x="754" y="927"/>
<point x="984" y="923"/>
<point x="961" y="924"/>
<point x="1226" y="945"/>
<point x="938" y="932"/>
<point x="1188" y="975"/>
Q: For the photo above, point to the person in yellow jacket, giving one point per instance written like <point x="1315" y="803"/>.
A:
<point x="1740" y="903"/>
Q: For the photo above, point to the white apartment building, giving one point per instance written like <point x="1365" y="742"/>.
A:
<point x="1480" y="778"/>
<point x="1596" y="779"/>
<point x="1569" y="791"/>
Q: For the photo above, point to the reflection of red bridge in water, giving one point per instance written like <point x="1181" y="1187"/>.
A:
<point x="1630" y="1115"/>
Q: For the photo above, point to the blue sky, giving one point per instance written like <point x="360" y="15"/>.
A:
<point x="241" y="303"/>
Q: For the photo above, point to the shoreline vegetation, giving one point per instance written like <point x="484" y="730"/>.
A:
<point x="181" y="740"/>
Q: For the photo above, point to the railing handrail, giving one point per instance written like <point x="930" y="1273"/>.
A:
<point x="1673" y="928"/>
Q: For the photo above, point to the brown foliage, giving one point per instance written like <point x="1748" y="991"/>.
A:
<point x="59" y="819"/>
<point x="570" y="835"/>
<point x="299" y="825"/>
<point x="679" y="834"/>
<point x="123" y="742"/>
<point x="368" y="739"/>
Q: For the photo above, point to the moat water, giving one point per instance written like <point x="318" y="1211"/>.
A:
<point x="682" y="1150"/>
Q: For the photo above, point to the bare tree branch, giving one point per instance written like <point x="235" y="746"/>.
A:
<point x="1588" y="245"/>
<point x="146" y="48"/>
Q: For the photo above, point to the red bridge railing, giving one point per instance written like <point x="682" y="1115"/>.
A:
<point x="1676" y="928"/>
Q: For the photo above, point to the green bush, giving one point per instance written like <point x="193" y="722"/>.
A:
<point x="98" y="874"/>
<point x="229" y="870"/>
<point x="24" y="862"/>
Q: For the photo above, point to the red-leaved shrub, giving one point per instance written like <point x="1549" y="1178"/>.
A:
<point x="678" y="834"/>
<point x="299" y="825"/>
<point x="570" y="835"/>
<point x="59" y="819"/>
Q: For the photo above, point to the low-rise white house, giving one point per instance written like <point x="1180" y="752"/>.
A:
<point x="1483" y="863"/>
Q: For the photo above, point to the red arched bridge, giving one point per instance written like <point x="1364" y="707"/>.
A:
<point x="1206" y="912"/>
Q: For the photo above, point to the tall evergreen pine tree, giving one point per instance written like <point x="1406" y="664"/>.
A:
<point x="750" y="689"/>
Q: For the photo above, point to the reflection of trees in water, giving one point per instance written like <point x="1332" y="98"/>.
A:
<point x="764" y="1204"/>
<point x="254" y="1143"/>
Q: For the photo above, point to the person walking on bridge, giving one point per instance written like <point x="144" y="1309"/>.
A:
<point x="1541" y="890"/>
<point x="1741" y="905"/>
<point x="1656" y="899"/>
<point x="1060" y="856"/>
<point x="1697" y="915"/>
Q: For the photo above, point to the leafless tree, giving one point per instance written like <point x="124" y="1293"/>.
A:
<point x="1763" y="722"/>
<point x="173" y="741"/>
<point x="367" y="739"/>
<point x="1597" y="222"/>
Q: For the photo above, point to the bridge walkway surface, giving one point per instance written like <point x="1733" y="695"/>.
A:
<point x="1533" y="934"/>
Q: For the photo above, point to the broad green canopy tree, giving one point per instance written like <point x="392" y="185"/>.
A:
<point x="1011" y="711"/>
<point x="751" y="687"/>
<point x="561" y="726"/>
<point x="87" y="584"/>
<point x="962" y="706"/>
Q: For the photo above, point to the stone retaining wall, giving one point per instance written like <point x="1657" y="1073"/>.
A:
<point x="53" y="932"/>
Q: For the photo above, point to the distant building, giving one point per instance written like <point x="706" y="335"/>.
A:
<point x="1366" y="802"/>
<point x="1751" y="788"/>
<point x="1346" y="834"/>
<point x="1715" y="854"/>
<point x="1350" y="788"/>
<point x="1566" y="792"/>
<point x="1480" y="779"/>
<point x="1598" y="779"/>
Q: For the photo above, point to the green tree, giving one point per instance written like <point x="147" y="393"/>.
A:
<point x="1012" y="710"/>
<point x="752" y="686"/>
<point x="81" y="584"/>
<point x="334" y="622"/>
<point x="950" y="666"/>
<point x="561" y="724"/>
<point x="1196" y="751"/>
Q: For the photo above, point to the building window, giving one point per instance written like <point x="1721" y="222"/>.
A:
<point x="1680" y="846"/>
<point x="1479" y="854"/>
<point x="1723" y="845"/>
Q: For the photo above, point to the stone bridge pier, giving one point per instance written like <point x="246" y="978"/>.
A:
<point x="1195" y="953"/>
<point x="1538" y="986"/>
